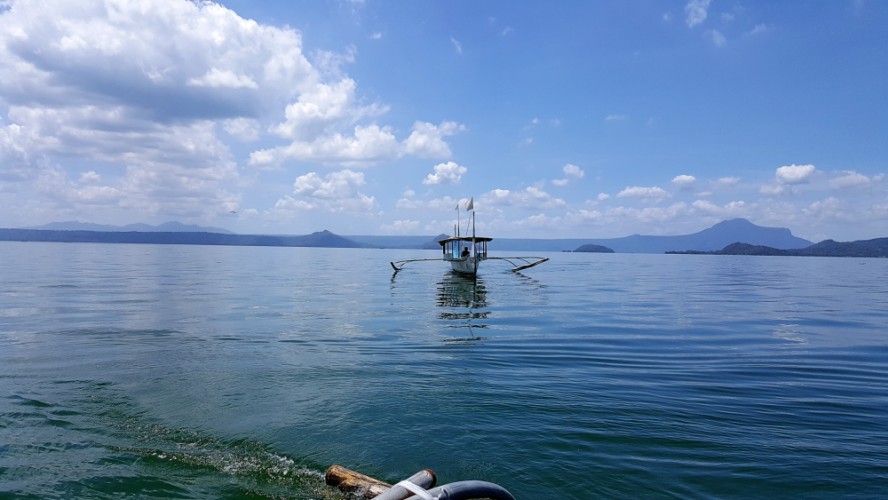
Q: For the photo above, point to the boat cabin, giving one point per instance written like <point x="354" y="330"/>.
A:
<point x="453" y="248"/>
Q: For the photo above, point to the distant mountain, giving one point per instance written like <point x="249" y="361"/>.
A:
<point x="433" y="243"/>
<point x="828" y="248"/>
<point x="716" y="237"/>
<point x="713" y="238"/>
<point x="708" y="240"/>
<point x="166" y="227"/>
<point x="324" y="239"/>
<point x="391" y="241"/>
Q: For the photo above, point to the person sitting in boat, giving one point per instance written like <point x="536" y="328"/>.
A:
<point x="465" y="252"/>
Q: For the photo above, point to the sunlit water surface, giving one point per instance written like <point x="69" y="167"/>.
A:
<point x="228" y="372"/>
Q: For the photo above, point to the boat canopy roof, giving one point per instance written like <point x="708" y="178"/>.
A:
<point x="467" y="239"/>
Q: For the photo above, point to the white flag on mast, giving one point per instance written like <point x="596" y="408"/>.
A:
<point x="470" y="205"/>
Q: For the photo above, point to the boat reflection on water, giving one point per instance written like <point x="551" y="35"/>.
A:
<point x="463" y="301"/>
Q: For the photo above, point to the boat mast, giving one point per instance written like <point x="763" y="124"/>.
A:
<point x="457" y="219"/>
<point x="471" y="206"/>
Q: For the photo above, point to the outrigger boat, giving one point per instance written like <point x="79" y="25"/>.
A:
<point x="465" y="253"/>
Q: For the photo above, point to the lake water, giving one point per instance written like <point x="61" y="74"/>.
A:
<point x="240" y="372"/>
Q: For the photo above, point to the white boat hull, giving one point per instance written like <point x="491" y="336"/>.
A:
<point x="464" y="266"/>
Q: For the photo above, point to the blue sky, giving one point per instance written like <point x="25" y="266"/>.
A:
<point x="561" y="119"/>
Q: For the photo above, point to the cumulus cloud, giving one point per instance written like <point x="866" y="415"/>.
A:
<point x="727" y="181"/>
<point x="829" y="208"/>
<point x="401" y="226"/>
<point x="216" y="77"/>
<point x="426" y="140"/>
<point x="696" y="12"/>
<point x="320" y="106"/>
<point x="106" y="84"/>
<point x="850" y="179"/>
<point x="531" y="198"/>
<point x="773" y="189"/>
<point x="684" y="181"/>
<point x="538" y="221"/>
<point x="446" y="173"/>
<point x="334" y="192"/>
<point x="149" y="95"/>
<point x="366" y="145"/>
<point x="795" y="174"/>
<point x="730" y="210"/>
<point x="571" y="171"/>
<point x="649" y="194"/>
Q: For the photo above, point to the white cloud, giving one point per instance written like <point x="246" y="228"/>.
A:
<point x="733" y="209"/>
<point x="795" y="174"/>
<point x="727" y="181"/>
<point x="583" y="216"/>
<point x="145" y="95"/>
<point x="446" y="173"/>
<point x="368" y="144"/>
<point x="571" y="171"/>
<point x="696" y="12"/>
<point x="244" y="129"/>
<point x="684" y="181"/>
<point x="402" y="226"/>
<point x="90" y="177"/>
<point x="653" y="217"/>
<point x="426" y="140"/>
<point x="216" y="77"/>
<point x="603" y="196"/>
<point x="850" y="180"/>
<point x="531" y="198"/>
<point x="649" y="194"/>
<point x="334" y="192"/>
<point x="616" y="118"/>
<point x="772" y="189"/>
<point x="321" y="106"/>
<point x="104" y="84"/>
<point x="829" y="208"/>
<point x="538" y="221"/>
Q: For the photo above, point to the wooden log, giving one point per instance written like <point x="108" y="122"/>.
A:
<point x="367" y="487"/>
<point x="355" y="483"/>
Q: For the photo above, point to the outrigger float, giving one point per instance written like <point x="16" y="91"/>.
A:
<point x="465" y="253"/>
<point x="418" y="486"/>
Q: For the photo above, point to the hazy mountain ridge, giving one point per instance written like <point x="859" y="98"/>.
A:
<point x="731" y="237"/>
<point x="324" y="239"/>
<point x="714" y="238"/>
<point x="166" y="227"/>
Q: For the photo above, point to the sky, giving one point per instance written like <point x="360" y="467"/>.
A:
<point x="568" y="119"/>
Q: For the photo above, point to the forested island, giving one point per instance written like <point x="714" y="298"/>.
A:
<point x="828" y="248"/>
